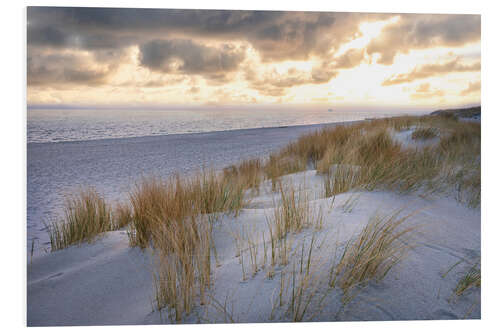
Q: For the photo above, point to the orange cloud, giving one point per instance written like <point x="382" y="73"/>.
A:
<point x="430" y="70"/>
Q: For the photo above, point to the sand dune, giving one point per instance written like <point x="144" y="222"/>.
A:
<point x="107" y="282"/>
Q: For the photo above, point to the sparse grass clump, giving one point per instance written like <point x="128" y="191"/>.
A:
<point x="401" y="123"/>
<point x="211" y="193"/>
<point x="341" y="179"/>
<point x="122" y="215"/>
<point x="372" y="253"/>
<point x="424" y="133"/>
<point x="150" y="199"/>
<point x="471" y="279"/>
<point x="183" y="266"/>
<point x="249" y="174"/>
<point x="86" y="215"/>
<point x="294" y="212"/>
<point x="279" y="165"/>
<point x="462" y="135"/>
<point x="302" y="287"/>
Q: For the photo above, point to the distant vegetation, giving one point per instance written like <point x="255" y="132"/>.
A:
<point x="464" y="113"/>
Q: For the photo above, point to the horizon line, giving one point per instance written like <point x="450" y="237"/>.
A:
<point x="243" y="106"/>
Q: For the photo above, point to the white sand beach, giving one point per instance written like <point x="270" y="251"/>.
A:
<point x="107" y="282"/>
<point x="113" y="166"/>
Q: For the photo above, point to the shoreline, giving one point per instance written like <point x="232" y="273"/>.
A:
<point x="113" y="165"/>
<point x="145" y="137"/>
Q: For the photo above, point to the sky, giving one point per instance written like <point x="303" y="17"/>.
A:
<point x="159" y="57"/>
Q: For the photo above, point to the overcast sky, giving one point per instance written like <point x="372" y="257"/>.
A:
<point x="101" y="56"/>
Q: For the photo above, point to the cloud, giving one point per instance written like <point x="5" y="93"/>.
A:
<point x="472" y="88"/>
<point x="429" y="70"/>
<point x="276" y="35"/>
<point x="421" y="31"/>
<point x="329" y="68"/>
<point x="194" y="90"/>
<point x="182" y="41"/>
<point x="350" y="59"/>
<point x="273" y="83"/>
<point x="424" y="91"/>
<point x="163" y="81"/>
<point x="47" y="36"/>
<point x="66" y="69"/>
<point x="229" y="96"/>
<point x="126" y="48"/>
<point x="183" y="56"/>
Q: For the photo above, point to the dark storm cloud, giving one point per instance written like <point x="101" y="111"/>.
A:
<point x="139" y="19"/>
<point x="276" y="35"/>
<point x="417" y="31"/>
<point x="186" y="56"/>
<point x="59" y="37"/>
<point x="429" y="70"/>
<point x="59" y="70"/>
<point x="170" y="37"/>
<point x="47" y="36"/>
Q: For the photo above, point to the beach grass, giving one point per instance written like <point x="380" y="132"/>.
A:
<point x="293" y="213"/>
<point x="424" y="133"/>
<point x="363" y="156"/>
<point x="175" y="216"/>
<point x="367" y="156"/>
<point x="157" y="202"/>
<point x="372" y="253"/>
<point x="472" y="278"/>
<point x="121" y="215"/>
<point x="183" y="267"/>
<point x="86" y="215"/>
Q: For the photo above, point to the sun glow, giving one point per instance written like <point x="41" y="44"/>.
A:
<point x="369" y="31"/>
<point x="283" y="61"/>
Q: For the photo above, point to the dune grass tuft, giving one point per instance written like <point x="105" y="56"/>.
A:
<point x="372" y="253"/>
<point x="248" y="173"/>
<point x="175" y="218"/>
<point x="121" y="215"/>
<point x="86" y="215"/>
<point x="157" y="202"/>
<point x="294" y="212"/>
<point x="341" y="178"/>
<point x="471" y="279"/>
<point x="279" y="165"/>
<point x="424" y="133"/>
<point x="183" y="267"/>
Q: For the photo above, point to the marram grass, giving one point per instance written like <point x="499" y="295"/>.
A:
<point x="86" y="215"/>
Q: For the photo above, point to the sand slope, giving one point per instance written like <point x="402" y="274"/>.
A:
<point x="107" y="282"/>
